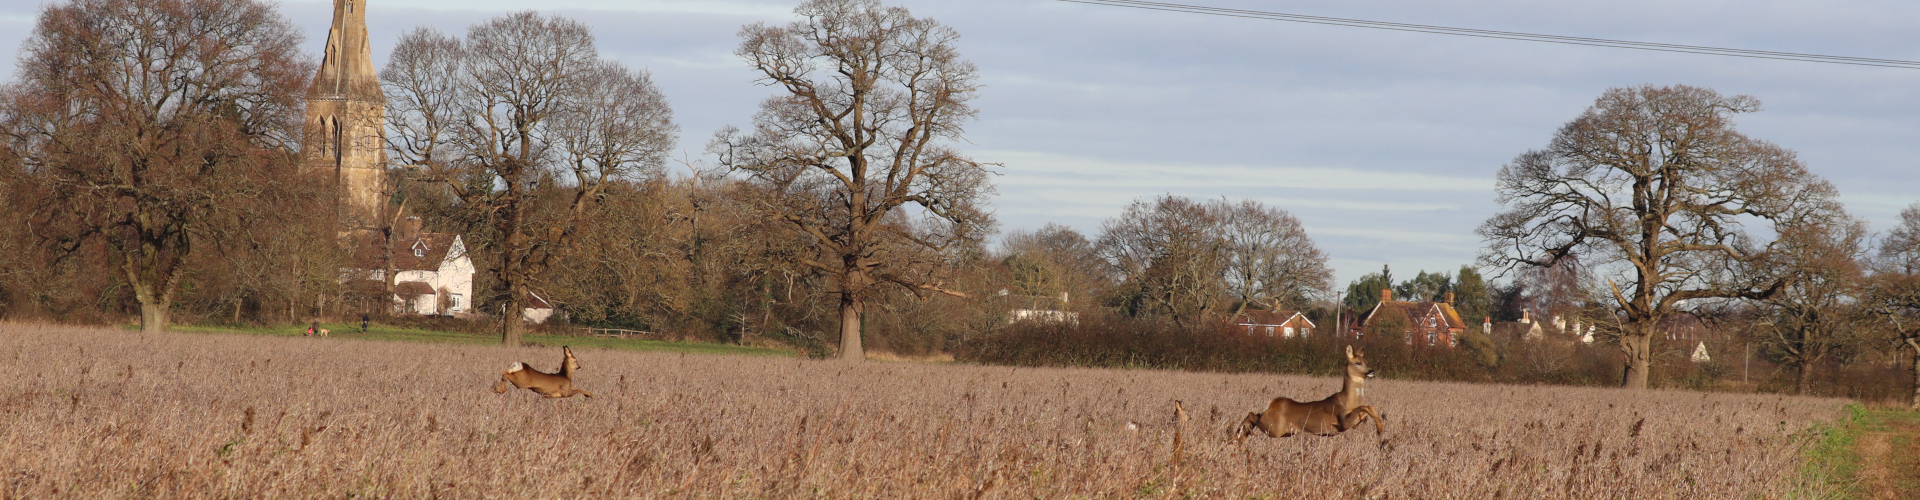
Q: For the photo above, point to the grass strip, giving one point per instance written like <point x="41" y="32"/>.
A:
<point x="1835" y="463"/>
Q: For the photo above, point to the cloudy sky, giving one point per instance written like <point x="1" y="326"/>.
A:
<point x="1383" y="143"/>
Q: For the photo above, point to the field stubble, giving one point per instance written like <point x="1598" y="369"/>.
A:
<point x="90" y="412"/>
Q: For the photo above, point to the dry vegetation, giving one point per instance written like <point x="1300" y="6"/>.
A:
<point x="101" y="413"/>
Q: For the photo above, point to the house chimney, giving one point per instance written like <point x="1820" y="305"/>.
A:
<point x="1526" y="316"/>
<point x="1486" y="327"/>
<point x="1386" y="294"/>
<point x="1449" y="296"/>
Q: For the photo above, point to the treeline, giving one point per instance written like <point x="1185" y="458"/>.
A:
<point x="151" y="167"/>
<point x="549" y="161"/>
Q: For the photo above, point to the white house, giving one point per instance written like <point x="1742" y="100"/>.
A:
<point x="432" y="273"/>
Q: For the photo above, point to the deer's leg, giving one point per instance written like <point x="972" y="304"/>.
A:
<point x="1359" y="416"/>
<point x="501" y="386"/>
<point x="572" y="391"/>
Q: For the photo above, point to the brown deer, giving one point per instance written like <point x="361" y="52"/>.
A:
<point x="1338" y="413"/>
<point x="552" y="385"/>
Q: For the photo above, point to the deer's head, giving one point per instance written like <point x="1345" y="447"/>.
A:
<point x="572" y="364"/>
<point x="1357" y="364"/>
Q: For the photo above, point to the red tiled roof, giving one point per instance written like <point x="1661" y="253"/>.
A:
<point x="433" y="249"/>
<point x="370" y="251"/>
<point x="1416" y="310"/>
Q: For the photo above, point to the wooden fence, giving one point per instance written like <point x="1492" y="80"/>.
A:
<point x="619" y="333"/>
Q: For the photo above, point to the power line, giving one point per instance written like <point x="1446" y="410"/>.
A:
<point x="1503" y="35"/>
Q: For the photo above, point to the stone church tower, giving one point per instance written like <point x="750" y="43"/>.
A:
<point x="346" y="121"/>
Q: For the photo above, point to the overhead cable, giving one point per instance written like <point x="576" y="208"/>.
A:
<point x="1503" y="35"/>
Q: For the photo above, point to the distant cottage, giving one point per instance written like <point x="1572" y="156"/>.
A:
<point x="431" y="272"/>
<point x="1431" y="323"/>
<point x="1285" y="324"/>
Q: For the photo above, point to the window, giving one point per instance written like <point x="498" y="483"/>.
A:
<point x="419" y="252"/>
<point x="454" y="303"/>
<point x="379" y="275"/>
<point x="1289" y="332"/>
<point x="1269" y="331"/>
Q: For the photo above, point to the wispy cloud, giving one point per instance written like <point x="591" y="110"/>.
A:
<point x="1043" y="169"/>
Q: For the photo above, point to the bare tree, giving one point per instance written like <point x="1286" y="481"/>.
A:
<point x="1656" y="182"/>
<point x="533" y="112"/>
<point x="1817" y="313"/>
<point x="424" y="87"/>
<point x="1188" y="260"/>
<point x="855" y="147"/>
<point x="153" y="125"/>
<point x="1894" y="293"/>
<point x="1270" y="259"/>
<point x="1055" y="259"/>
<point x="1171" y="257"/>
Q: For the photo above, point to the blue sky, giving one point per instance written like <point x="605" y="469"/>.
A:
<point x="1384" y="144"/>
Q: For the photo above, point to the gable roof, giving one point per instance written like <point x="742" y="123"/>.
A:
<point x="535" y="301"/>
<point x="1275" y="318"/>
<point x="1415" y="310"/>
<point x="437" y="248"/>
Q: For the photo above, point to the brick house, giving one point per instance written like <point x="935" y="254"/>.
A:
<point x="1431" y="323"/>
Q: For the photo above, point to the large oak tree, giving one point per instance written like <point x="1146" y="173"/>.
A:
<point x="1653" y="187"/>
<point x="855" y="149"/>
<point x="154" y="125"/>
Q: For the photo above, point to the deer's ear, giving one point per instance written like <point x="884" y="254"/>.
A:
<point x="1349" y="352"/>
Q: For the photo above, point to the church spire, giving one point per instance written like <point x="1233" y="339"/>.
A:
<point x="347" y="69"/>
<point x="346" y="115"/>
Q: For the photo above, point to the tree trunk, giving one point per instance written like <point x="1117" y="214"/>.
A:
<point x="1915" y="344"/>
<point x="512" y="323"/>
<point x="513" y="314"/>
<point x="153" y="316"/>
<point x="1639" y="350"/>
<point x="1804" y="378"/>
<point x="850" y="308"/>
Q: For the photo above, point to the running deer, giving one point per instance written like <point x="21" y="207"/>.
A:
<point x="552" y="385"/>
<point x="1338" y="413"/>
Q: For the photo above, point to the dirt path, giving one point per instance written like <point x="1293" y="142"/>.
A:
<point x="1889" y="449"/>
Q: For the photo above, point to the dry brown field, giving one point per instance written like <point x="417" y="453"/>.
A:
<point x="99" y="413"/>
